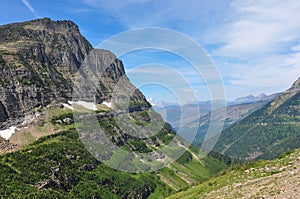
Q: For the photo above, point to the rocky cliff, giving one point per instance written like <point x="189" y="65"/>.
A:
<point x="39" y="60"/>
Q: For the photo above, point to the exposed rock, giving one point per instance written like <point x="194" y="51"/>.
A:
<point x="71" y="157"/>
<point x="295" y="86"/>
<point x="6" y="146"/>
<point x="39" y="58"/>
<point x="86" y="167"/>
<point x="67" y="120"/>
<point x="3" y="114"/>
<point x="39" y="61"/>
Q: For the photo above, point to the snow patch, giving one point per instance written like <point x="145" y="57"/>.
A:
<point x="87" y="105"/>
<point x="108" y="104"/>
<point x="68" y="106"/>
<point x="7" y="133"/>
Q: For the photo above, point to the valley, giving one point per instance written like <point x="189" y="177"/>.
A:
<point x="42" y="100"/>
<point x="72" y="125"/>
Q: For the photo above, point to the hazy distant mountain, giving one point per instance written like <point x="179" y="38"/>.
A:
<point x="196" y="117"/>
<point x="234" y="113"/>
<point x="174" y="113"/>
<point x="251" y="98"/>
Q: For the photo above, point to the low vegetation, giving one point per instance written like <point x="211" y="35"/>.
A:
<point x="59" y="166"/>
<point x="262" y="179"/>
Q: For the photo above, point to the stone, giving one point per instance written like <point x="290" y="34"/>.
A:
<point x="67" y="120"/>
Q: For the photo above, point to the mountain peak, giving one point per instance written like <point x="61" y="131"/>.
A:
<point x="39" y="62"/>
<point x="261" y="96"/>
<point x="295" y="86"/>
<point x="46" y="24"/>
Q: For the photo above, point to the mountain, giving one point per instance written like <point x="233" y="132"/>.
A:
<point x="196" y="117"/>
<point x="173" y="113"/>
<point x="251" y="98"/>
<point x="267" y="132"/>
<point x="39" y="60"/>
<point x="234" y="114"/>
<point x="264" y="179"/>
<point x="70" y="115"/>
<point x="295" y="87"/>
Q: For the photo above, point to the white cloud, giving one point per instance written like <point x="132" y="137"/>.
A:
<point x="260" y="46"/>
<point x="295" y="47"/>
<point x="260" y="27"/>
<point x="254" y="43"/>
<point x="29" y="6"/>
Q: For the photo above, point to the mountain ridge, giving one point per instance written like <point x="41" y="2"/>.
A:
<point x="267" y="132"/>
<point x="39" y="61"/>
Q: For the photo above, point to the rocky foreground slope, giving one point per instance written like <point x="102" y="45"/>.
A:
<point x="278" y="178"/>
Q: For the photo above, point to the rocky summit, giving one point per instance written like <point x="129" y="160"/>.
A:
<point x="295" y="87"/>
<point x="39" y="60"/>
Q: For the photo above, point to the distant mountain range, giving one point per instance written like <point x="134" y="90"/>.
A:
<point x="196" y="117"/>
<point x="255" y="127"/>
<point x="251" y="98"/>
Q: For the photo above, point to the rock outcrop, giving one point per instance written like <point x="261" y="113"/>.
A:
<point x="295" y="87"/>
<point x="6" y="146"/>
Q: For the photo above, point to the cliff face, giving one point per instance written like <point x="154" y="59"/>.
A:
<point x="39" y="60"/>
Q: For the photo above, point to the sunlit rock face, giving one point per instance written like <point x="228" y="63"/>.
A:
<point x="39" y="62"/>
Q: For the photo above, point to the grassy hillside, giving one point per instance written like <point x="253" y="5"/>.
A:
<point x="60" y="166"/>
<point x="275" y="179"/>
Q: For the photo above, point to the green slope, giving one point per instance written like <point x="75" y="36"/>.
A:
<point x="266" y="133"/>
<point x="59" y="166"/>
<point x="277" y="178"/>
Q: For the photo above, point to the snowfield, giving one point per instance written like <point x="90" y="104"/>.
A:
<point x="7" y="133"/>
<point x="87" y="105"/>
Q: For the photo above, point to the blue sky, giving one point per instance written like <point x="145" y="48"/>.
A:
<point x="254" y="44"/>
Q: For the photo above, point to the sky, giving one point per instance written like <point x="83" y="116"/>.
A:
<point x="255" y="45"/>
